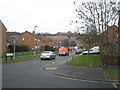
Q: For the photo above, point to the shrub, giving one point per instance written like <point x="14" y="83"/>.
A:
<point x="17" y="48"/>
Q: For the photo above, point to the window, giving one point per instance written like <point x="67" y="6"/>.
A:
<point x="38" y="40"/>
<point x="23" y="39"/>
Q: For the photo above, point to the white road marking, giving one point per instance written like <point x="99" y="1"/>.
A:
<point x="114" y="84"/>
<point x="53" y="62"/>
<point x="51" y="68"/>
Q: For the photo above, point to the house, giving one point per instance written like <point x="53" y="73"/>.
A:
<point x="27" y="39"/>
<point x="45" y="40"/>
<point x="110" y="49"/>
<point x="62" y="41"/>
<point x="112" y="34"/>
<point x="3" y="30"/>
<point x="13" y="35"/>
<point x="58" y="41"/>
<point x="38" y="41"/>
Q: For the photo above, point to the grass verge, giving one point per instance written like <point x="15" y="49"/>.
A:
<point x="18" y="59"/>
<point x="86" y="61"/>
<point x="112" y="75"/>
<point x="23" y="58"/>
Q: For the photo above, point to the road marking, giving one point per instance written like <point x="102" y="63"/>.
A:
<point x="115" y="85"/>
<point x="51" y="68"/>
<point x="53" y="62"/>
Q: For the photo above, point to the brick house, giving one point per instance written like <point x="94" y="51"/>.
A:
<point x="27" y="39"/>
<point x="58" y="41"/>
<point x="45" y="40"/>
<point x="112" y="34"/>
<point x="110" y="48"/>
<point x="13" y="35"/>
<point x="2" y="37"/>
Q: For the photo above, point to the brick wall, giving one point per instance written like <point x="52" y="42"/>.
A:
<point x="2" y="37"/>
<point x="27" y="39"/>
<point x="110" y="49"/>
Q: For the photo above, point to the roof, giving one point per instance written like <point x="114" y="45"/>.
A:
<point x="14" y="33"/>
<point x="57" y="38"/>
<point x="3" y="25"/>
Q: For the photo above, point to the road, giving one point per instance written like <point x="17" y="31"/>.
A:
<point x="29" y="74"/>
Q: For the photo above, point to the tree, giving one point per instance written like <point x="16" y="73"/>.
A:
<point x="97" y="15"/>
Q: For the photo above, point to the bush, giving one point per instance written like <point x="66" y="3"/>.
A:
<point x="17" y="48"/>
<point x="49" y="48"/>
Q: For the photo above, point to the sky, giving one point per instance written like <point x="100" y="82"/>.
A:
<point x="48" y="15"/>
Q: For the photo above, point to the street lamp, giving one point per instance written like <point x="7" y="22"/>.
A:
<point x="34" y="40"/>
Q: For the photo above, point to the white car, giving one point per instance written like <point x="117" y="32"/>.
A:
<point x="94" y="50"/>
<point x="47" y="55"/>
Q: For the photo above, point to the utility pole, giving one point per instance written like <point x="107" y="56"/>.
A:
<point x="69" y="42"/>
<point x="119" y="18"/>
<point x="14" y="48"/>
<point x="118" y="12"/>
<point x="34" y="41"/>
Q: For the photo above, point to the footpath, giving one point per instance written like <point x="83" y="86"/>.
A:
<point x="75" y="72"/>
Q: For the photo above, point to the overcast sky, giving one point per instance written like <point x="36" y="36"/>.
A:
<point x="49" y="15"/>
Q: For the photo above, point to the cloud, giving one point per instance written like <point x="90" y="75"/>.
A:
<point x="49" y="15"/>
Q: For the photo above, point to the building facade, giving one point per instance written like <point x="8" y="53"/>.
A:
<point x="27" y="39"/>
<point x="38" y="42"/>
<point x="110" y="48"/>
<point x="3" y="31"/>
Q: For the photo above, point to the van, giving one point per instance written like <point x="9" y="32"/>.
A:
<point x="63" y="51"/>
<point x="94" y="50"/>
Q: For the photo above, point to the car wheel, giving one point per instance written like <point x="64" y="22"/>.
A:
<point x="50" y="58"/>
<point x="54" y="57"/>
<point x="41" y="58"/>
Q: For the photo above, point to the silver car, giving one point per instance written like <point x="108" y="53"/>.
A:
<point x="47" y="55"/>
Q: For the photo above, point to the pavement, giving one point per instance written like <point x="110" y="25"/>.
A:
<point x="75" y="72"/>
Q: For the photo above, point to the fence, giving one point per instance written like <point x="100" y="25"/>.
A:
<point x="110" y="54"/>
<point x="110" y="47"/>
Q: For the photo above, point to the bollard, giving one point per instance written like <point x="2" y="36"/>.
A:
<point x="11" y="57"/>
<point x="6" y="58"/>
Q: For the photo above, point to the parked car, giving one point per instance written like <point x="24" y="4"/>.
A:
<point x="94" y="50"/>
<point x="78" y="51"/>
<point x="47" y="55"/>
<point x="63" y="51"/>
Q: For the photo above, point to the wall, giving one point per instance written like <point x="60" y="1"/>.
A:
<point x="110" y="49"/>
<point x="2" y="38"/>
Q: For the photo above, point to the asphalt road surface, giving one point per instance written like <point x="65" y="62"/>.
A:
<point x="29" y="74"/>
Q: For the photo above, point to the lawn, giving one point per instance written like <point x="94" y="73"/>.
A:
<point x="86" y="61"/>
<point x="110" y="74"/>
<point x="24" y="58"/>
<point x="18" y="59"/>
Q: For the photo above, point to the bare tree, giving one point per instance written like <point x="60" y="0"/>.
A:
<point x="97" y="14"/>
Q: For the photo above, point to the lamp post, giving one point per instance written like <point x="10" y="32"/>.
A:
<point x="34" y="40"/>
<point x="69" y="42"/>
<point x="14" y="48"/>
<point x="119" y="13"/>
<point x="119" y="18"/>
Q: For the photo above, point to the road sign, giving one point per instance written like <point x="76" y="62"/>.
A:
<point x="69" y="41"/>
<point x="14" y="41"/>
